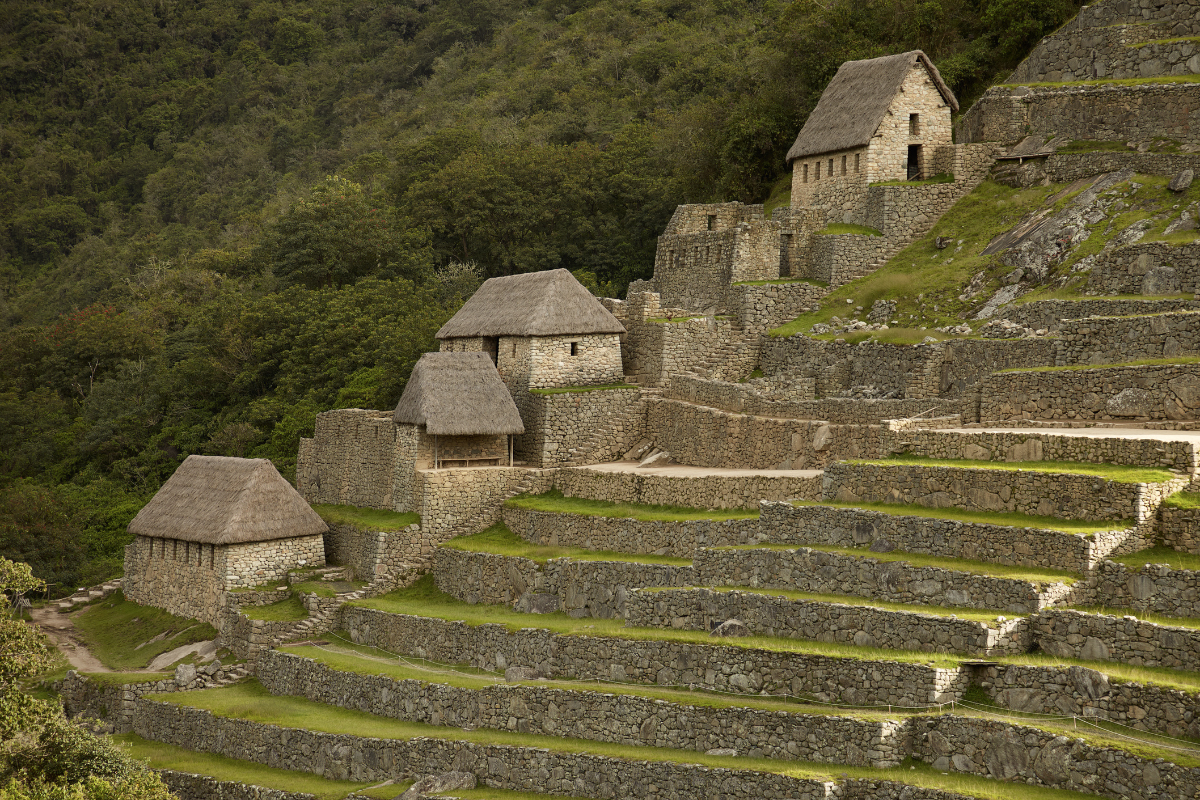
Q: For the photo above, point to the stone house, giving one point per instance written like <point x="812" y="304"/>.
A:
<point x="881" y="119"/>
<point x="218" y="524"/>
<point x="457" y="412"/>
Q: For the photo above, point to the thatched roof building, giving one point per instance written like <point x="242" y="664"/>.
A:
<point x="550" y="303"/>
<point x="854" y="103"/>
<point x="219" y="500"/>
<point x="458" y="394"/>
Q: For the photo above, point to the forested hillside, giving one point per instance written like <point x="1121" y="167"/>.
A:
<point x="219" y="218"/>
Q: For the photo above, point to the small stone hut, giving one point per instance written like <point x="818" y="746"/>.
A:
<point x="461" y="412"/>
<point x="541" y="330"/>
<point x="218" y="524"/>
<point x="880" y="119"/>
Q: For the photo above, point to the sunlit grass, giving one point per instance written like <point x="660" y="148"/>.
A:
<point x="498" y="539"/>
<point x="554" y="501"/>
<point x="1118" y="473"/>
<point x="369" y="518"/>
<point x="114" y="628"/>
<point x="1176" y="559"/>
<point x="289" y="610"/>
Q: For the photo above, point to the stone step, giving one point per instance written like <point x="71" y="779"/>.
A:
<point x="774" y="613"/>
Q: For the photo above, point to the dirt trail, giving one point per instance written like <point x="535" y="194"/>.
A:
<point x="61" y="630"/>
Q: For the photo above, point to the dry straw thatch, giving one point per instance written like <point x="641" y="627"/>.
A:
<point x="222" y="500"/>
<point x="853" y="104"/>
<point x="550" y="303"/>
<point x="458" y="394"/>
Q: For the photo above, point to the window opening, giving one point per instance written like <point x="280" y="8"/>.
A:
<point x="914" y="124"/>
<point x="712" y="222"/>
<point x="831" y="167"/>
<point x="818" y="171"/>
<point x="491" y="346"/>
<point x="843" y="165"/>
<point x="574" y="348"/>
<point x="856" y="162"/>
<point x="806" y="173"/>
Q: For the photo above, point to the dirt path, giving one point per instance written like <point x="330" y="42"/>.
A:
<point x="61" y="631"/>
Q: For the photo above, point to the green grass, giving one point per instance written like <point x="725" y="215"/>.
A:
<point x="1118" y="473"/>
<point x="1165" y="677"/>
<point x="168" y="756"/>
<point x="578" y="389"/>
<point x="1136" y="45"/>
<point x="1155" y="619"/>
<point x="499" y="540"/>
<point x="369" y="518"/>
<point x="1145" y="362"/>
<point x="943" y="177"/>
<point x="844" y="228"/>
<point x="555" y="502"/>
<point x="252" y="702"/>
<point x="290" y="610"/>
<point x="1183" y="500"/>
<point x="424" y="599"/>
<point x="1010" y="520"/>
<point x="1094" y="146"/>
<point x="323" y="588"/>
<point x="113" y="628"/>
<point x="971" y="614"/>
<point x="774" y="281"/>
<point x="1177" y="559"/>
<point x="1114" y="82"/>
<point x="1030" y="574"/>
<point x="780" y="195"/>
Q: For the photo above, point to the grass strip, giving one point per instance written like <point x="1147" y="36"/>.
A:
<point x="1112" y="81"/>
<point x="1165" y="677"/>
<point x="1029" y="574"/>
<point x="1183" y="500"/>
<point x="1118" y="473"/>
<point x="250" y="701"/>
<point x="1005" y="519"/>
<point x="1175" y="559"/>
<point x="424" y="599"/>
<point x="1145" y="362"/>
<point x="114" y="628"/>
<point x="325" y="588"/>
<point x="1155" y="619"/>
<point x="370" y="518"/>
<point x="160" y="755"/>
<point x="843" y="228"/>
<point x="290" y="610"/>
<point x="501" y="541"/>
<point x="555" y="502"/>
<point x="942" y="177"/>
<point x="578" y="389"/>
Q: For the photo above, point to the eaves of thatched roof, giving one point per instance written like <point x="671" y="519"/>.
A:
<point x="458" y="394"/>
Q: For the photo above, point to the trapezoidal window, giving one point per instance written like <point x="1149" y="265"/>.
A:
<point x="914" y="124"/>
<point x="831" y="167"/>
<point x="712" y="222"/>
<point x="818" y="171"/>
<point x="574" y="348"/>
<point x="843" y="165"/>
<point x="856" y="162"/>
<point x="805" y="173"/>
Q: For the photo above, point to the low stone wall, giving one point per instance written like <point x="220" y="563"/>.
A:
<point x="355" y="458"/>
<point x="706" y="491"/>
<point x="580" y="588"/>
<point x="820" y="572"/>
<point x="783" y="523"/>
<point x="457" y="502"/>
<point x="1152" y="589"/>
<point x="679" y="539"/>
<point x="1049" y="314"/>
<point x="188" y="786"/>
<point x="762" y="307"/>
<point x="773" y="615"/>
<point x="113" y="703"/>
<point x="1148" y="268"/>
<point x="838" y="259"/>
<point x="1147" y="392"/>
<point x="1061" y="495"/>
<point x="594" y="715"/>
<point x="1099" y="637"/>
<point x="724" y="668"/>
<point x="1115" y="340"/>
<point x="656" y="350"/>
<point x="1040" y="758"/>
<point x="345" y="757"/>
<point x="1180" y="528"/>
<point x="1084" y="692"/>
<point x="370" y="555"/>
<point x="1069" y="167"/>
<point x="556" y="425"/>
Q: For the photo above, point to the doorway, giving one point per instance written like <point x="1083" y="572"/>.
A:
<point x="914" y="162"/>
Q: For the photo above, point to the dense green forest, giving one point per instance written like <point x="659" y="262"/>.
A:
<point x="218" y="218"/>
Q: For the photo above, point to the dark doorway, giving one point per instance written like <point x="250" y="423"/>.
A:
<point x="914" y="162"/>
<point x="491" y="346"/>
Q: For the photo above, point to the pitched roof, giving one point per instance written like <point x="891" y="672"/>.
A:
<point x="853" y="104"/>
<point x="222" y="500"/>
<point x="458" y="394"/>
<point x="550" y="303"/>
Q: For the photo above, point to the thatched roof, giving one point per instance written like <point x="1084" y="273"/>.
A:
<point x="458" y="394"/>
<point x="855" y="101"/>
<point x="550" y="303"/>
<point x="222" y="500"/>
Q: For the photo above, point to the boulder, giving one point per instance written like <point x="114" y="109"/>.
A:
<point x="823" y="438"/>
<point x="1182" y="181"/>
<point x="882" y="545"/>
<point x="436" y="784"/>
<point x="1089" y="683"/>
<point x="533" y="603"/>
<point x="184" y="674"/>
<point x="1187" y="389"/>
<point x="1132" y="403"/>
<point x="1161" y="280"/>
<point x="731" y="627"/>
<point x="511" y="675"/>
<point x="660" y="459"/>
<point x="1053" y="763"/>
<point x="721" y="751"/>
<point x="1006" y="756"/>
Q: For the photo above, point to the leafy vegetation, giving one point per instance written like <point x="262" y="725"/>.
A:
<point x="500" y="540"/>
<point x="127" y="636"/>
<point x="554" y="501"/>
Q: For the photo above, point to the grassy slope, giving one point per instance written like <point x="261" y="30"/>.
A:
<point x="982" y="517"/>
<point x="369" y="518"/>
<point x="1176" y="559"/>
<point x="1183" y="500"/>
<point x="289" y="610"/>
<point x="500" y="540"/>
<point x="554" y="501"/>
<point x="1112" y="472"/>
<point x="113" y="628"/>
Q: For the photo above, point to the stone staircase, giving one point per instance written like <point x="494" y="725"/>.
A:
<point x="98" y="592"/>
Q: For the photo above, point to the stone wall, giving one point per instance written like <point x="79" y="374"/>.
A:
<point x="1098" y="637"/>
<point x="594" y="715"/>
<point x="370" y="554"/>
<point x="760" y="307"/>
<point x="113" y="703"/>
<point x="1151" y="589"/>
<point x="839" y="258"/>
<point x="1116" y="340"/>
<point x="256" y="563"/>
<point x="678" y="539"/>
<point x="807" y="570"/>
<point x="1149" y="268"/>
<point x="1155" y="392"/>
<point x="705" y="491"/>
<point x="774" y="615"/>
<point x="457" y="502"/>
<point x="1180" y="528"/>
<point x="580" y="588"/>
<point x="355" y="458"/>
<point x="657" y="350"/>
<point x="1049" y="314"/>
<point x="1060" y="495"/>
<point x="596" y="361"/>
<point x="1068" y="167"/>
<point x="189" y="786"/>
<point x="345" y="756"/>
<point x="716" y="667"/>
<point x="836" y="194"/>
<point x="783" y="523"/>
<point x="558" y="425"/>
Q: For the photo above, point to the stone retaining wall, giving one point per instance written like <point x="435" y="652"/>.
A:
<point x="658" y="537"/>
<point x="113" y="703"/>
<point x="783" y="523"/>
<point x="594" y="715"/>
<point x="369" y="554"/>
<point x="1149" y="268"/>
<point x="1180" y="528"/>
<point x="1085" y="692"/>
<point x="762" y="307"/>
<point x="349" y="757"/>
<point x="580" y="588"/>
<point x="656" y="350"/>
<point x="1062" y="495"/>
<point x="820" y="572"/>
<point x="1069" y="167"/>
<point x="1147" y="392"/>
<point x="724" y="668"/>
<point x="773" y="615"/>
<point x="1049" y="314"/>
<point x="1116" y="340"/>
<point x="1099" y="637"/>
<point x="355" y="458"/>
<point x="188" y="786"/>
<point x="457" y="502"/>
<point x="1152" y="589"/>
<point x="558" y="424"/>
<point x="839" y="258"/>
<point x="705" y="491"/>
